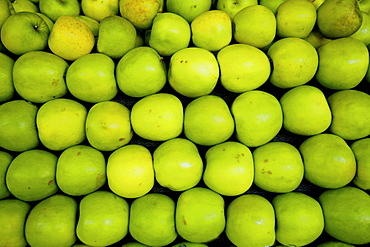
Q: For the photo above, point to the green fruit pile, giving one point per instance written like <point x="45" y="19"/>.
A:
<point x="184" y="123"/>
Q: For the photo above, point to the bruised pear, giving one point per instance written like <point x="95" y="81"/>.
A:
<point x="339" y="18"/>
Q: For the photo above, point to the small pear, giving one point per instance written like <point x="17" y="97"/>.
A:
<point x="337" y="18"/>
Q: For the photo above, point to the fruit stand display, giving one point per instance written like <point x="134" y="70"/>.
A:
<point x="184" y="123"/>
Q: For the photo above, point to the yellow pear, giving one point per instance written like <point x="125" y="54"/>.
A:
<point x="211" y="30"/>
<point x="140" y="12"/>
<point x="130" y="171"/>
<point x="70" y="38"/>
<point x="177" y="164"/>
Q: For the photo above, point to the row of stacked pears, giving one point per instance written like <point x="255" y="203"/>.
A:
<point x="184" y="123"/>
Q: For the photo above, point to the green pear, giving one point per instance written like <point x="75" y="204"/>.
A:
<point x="188" y="9"/>
<point x="56" y="8"/>
<point x="5" y="160"/>
<point x="140" y="13"/>
<point x="169" y="33"/>
<point x="211" y="30"/>
<point x="6" y="77"/>
<point x="13" y="213"/>
<point x="61" y="123"/>
<point x="229" y="168"/>
<point x="258" y="117"/>
<point x="52" y="220"/>
<point x="130" y="172"/>
<point x="338" y="19"/>
<point x="98" y="10"/>
<point x="91" y="23"/>
<point x="250" y="221"/>
<point x="177" y="164"/>
<point x="152" y="220"/>
<point x="306" y="110"/>
<point x="343" y="63"/>
<point x="31" y="175"/>
<point x="157" y="117"/>
<point x="232" y="7"/>
<point x="193" y="72"/>
<point x="24" y="5"/>
<point x="346" y="212"/>
<point x="141" y="72"/>
<point x="18" y="130"/>
<point x="350" y="110"/>
<point x="6" y="9"/>
<point x="192" y="217"/>
<point x="71" y="38"/>
<point x="278" y="167"/>
<point x="248" y="28"/>
<point x="23" y="32"/>
<point x="243" y="67"/>
<point x="294" y="62"/>
<point x="299" y="218"/>
<point x="80" y="170"/>
<point x="121" y="42"/>
<point x="328" y="161"/>
<point x="334" y="243"/>
<point x="295" y="18"/>
<point x="39" y="76"/>
<point x="108" y="126"/>
<point x="364" y="5"/>
<point x="189" y="244"/>
<point x="271" y="4"/>
<point x="363" y="33"/>
<point x="208" y="120"/>
<point x="361" y="149"/>
<point x="48" y="21"/>
<point x="316" y="39"/>
<point x="134" y="244"/>
<point x="91" y="78"/>
<point x="103" y="218"/>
